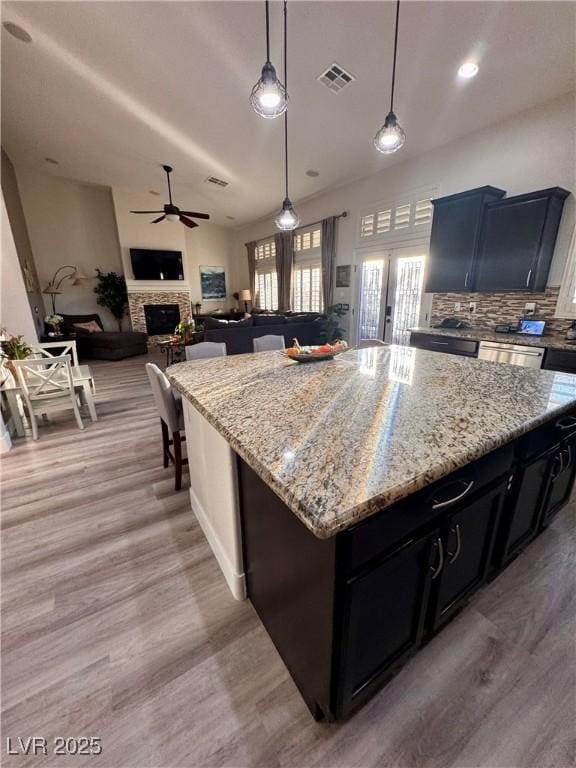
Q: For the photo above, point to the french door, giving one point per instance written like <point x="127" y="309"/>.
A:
<point x="389" y="294"/>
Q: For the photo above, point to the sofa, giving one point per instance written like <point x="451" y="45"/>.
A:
<point x="104" y="345"/>
<point x="239" y="335"/>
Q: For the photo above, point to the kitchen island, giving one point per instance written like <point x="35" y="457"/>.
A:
<point x="368" y="497"/>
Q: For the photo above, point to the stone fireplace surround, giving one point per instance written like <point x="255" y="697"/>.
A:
<point x="138" y="299"/>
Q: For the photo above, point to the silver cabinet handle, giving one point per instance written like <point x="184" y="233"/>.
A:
<point x="528" y="276"/>
<point x="560" y="457"/>
<point x="567" y="423"/>
<point x="569" y="459"/>
<point x="440" y="343"/>
<point x="436" y="571"/>
<point x="452" y="558"/>
<point x="466" y="281"/>
<point x="442" y="504"/>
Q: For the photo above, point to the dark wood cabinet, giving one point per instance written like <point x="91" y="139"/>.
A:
<point x="467" y="542"/>
<point x="455" y="238"/>
<point x="383" y="611"/>
<point x="517" y="241"/>
<point x="562" y="475"/>
<point x="560" y="360"/>
<point x="451" y="344"/>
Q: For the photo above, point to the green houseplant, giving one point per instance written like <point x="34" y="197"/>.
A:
<point x="13" y="348"/>
<point x="112" y="294"/>
<point x="331" y="329"/>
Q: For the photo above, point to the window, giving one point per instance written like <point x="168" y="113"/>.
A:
<point x="409" y="217"/>
<point x="266" y="276"/>
<point x="566" y="306"/>
<point x="409" y="280"/>
<point x="307" y="273"/>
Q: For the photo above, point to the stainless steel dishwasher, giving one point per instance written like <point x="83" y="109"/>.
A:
<point x="515" y="354"/>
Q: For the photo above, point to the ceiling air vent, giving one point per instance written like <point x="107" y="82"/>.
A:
<point x="218" y="182"/>
<point x="336" y="78"/>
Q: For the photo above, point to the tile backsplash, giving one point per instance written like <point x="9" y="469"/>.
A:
<point x="492" y="308"/>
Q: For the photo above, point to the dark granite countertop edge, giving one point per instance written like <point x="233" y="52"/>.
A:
<point x="379" y="502"/>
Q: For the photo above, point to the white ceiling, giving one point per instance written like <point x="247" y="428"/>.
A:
<point x="114" y="89"/>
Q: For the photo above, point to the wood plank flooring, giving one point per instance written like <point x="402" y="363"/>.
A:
<point x="116" y="622"/>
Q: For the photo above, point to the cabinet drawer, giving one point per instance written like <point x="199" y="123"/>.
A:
<point x="545" y="437"/>
<point x="375" y="536"/>
<point x="560" y="360"/>
<point x="450" y="344"/>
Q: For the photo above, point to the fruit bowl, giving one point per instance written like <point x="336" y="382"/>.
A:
<point x="314" y="354"/>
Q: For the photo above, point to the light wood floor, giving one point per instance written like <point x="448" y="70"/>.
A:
<point x="117" y="623"/>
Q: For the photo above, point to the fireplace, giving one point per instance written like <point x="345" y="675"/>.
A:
<point x="161" y="318"/>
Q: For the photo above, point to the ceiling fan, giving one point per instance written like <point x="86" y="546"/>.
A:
<point x="171" y="212"/>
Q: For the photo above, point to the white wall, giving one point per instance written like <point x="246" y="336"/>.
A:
<point x="532" y="150"/>
<point x="15" y="312"/>
<point x="206" y="245"/>
<point x="70" y="223"/>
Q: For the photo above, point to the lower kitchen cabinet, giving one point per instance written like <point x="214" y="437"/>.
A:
<point x="562" y="477"/>
<point x="383" y="612"/>
<point x="467" y="542"/>
<point x="451" y="344"/>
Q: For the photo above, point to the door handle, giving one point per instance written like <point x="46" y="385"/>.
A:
<point x="559" y="458"/>
<point x="436" y="570"/>
<point x="566" y="423"/>
<point x="569" y="459"/>
<point x="453" y="557"/>
<point x="466" y="280"/>
<point x="528" y="276"/>
<point x="442" y="504"/>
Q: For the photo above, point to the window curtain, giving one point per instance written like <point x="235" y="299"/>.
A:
<point x="284" y="262"/>
<point x="328" y="259"/>
<point x="251" y="251"/>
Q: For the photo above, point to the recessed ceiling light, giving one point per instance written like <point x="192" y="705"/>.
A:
<point x="153" y="192"/>
<point x="312" y="173"/>
<point x="51" y="161"/>
<point x="17" y="32"/>
<point x="468" y="69"/>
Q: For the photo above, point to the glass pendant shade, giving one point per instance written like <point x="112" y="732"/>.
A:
<point x="269" y="98"/>
<point x="287" y="219"/>
<point x="172" y="217"/>
<point x="391" y="137"/>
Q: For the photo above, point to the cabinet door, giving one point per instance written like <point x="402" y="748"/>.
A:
<point x="452" y="245"/>
<point x="511" y="237"/>
<point x="561" y="480"/>
<point x="468" y="541"/>
<point x="383" y="613"/>
<point x="520" y="519"/>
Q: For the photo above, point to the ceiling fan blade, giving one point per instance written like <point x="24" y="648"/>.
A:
<point x="196" y="215"/>
<point x="146" y="211"/>
<point x="188" y="222"/>
<point x="160" y="218"/>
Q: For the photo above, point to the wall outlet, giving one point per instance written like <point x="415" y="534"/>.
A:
<point x="530" y="308"/>
<point x="457" y="306"/>
<point x="472" y="307"/>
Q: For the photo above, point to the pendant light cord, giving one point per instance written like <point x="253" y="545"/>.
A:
<point x="394" y="61"/>
<point x="286" y="86"/>
<point x="267" y="30"/>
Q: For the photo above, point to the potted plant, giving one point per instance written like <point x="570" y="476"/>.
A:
<point x="54" y="321"/>
<point x="184" y="331"/>
<point x="13" y="348"/>
<point x="112" y="294"/>
<point x="331" y="329"/>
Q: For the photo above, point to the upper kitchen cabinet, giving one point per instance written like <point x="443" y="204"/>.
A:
<point x="517" y="241"/>
<point x="455" y="238"/>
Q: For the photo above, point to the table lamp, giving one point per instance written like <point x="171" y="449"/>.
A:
<point x="245" y="296"/>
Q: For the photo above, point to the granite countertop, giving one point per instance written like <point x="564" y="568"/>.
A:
<point x="486" y="334"/>
<point x="340" y="440"/>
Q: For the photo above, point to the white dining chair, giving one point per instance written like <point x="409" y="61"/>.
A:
<point x="171" y="420"/>
<point x="206" y="349"/>
<point x="81" y="372"/>
<point x="365" y="343"/>
<point x="268" y="343"/>
<point x="47" y="385"/>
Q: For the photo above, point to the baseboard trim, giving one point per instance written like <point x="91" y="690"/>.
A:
<point x="236" y="581"/>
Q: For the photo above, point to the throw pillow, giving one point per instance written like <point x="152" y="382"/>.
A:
<point x="91" y="326"/>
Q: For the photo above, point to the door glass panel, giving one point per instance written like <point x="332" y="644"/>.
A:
<point x="409" y="279"/>
<point x="370" y="299"/>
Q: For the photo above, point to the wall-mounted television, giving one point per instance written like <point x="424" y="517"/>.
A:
<point x="151" y="264"/>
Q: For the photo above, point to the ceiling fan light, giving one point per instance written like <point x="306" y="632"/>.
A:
<point x="172" y="217"/>
<point x="391" y="137"/>
<point x="287" y="219"/>
<point x="269" y="98"/>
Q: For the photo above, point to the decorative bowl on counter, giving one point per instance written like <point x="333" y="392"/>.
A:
<point x="315" y="353"/>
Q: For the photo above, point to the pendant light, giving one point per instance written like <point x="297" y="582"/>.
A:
<point x="391" y="137"/>
<point x="287" y="218"/>
<point x="268" y="98"/>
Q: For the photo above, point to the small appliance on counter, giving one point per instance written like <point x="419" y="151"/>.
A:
<point x="571" y="332"/>
<point x="531" y="327"/>
<point x="505" y="328"/>
<point x="451" y="322"/>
